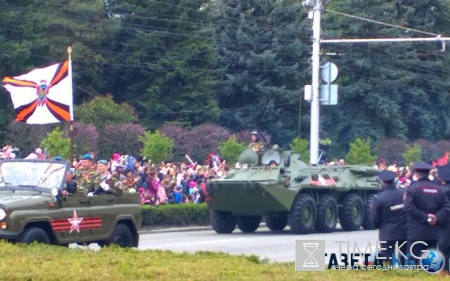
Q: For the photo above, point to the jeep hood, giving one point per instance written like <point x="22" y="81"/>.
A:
<point x="21" y="200"/>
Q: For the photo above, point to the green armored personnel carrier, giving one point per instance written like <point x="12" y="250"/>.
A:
<point x="33" y="209"/>
<point x="287" y="191"/>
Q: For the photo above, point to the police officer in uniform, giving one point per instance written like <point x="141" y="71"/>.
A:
<point x="426" y="206"/>
<point x="256" y="144"/>
<point x="444" y="226"/>
<point x="388" y="214"/>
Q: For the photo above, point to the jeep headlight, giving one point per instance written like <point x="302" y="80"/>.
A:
<point x="2" y="214"/>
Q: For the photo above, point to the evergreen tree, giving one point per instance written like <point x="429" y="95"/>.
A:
<point x="263" y="58"/>
<point x="396" y="90"/>
<point x="170" y="46"/>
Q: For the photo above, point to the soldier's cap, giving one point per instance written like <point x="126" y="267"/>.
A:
<point x="255" y="133"/>
<point x="104" y="162"/>
<point x="387" y="175"/>
<point x="87" y="157"/>
<point x="444" y="172"/>
<point x="58" y="158"/>
<point x="422" y="167"/>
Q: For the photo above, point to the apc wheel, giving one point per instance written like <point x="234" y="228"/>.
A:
<point x="34" y="234"/>
<point x="303" y="214"/>
<point x="367" y="224"/>
<point x="351" y="214"/>
<point x="121" y="236"/>
<point x="276" y="223"/>
<point x="326" y="214"/>
<point x="223" y="222"/>
<point x="248" y="223"/>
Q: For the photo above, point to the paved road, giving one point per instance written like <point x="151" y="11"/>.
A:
<point x="275" y="246"/>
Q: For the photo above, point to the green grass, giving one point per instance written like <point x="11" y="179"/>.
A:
<point x="42" y="262"/>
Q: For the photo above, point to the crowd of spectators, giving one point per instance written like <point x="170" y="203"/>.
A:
<point x="161" y="183"/>
<point x="176" y="183"/>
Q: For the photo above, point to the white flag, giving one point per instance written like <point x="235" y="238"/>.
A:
<point x="43" y="95"/>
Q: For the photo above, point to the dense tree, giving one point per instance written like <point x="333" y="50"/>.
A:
<point x="264" y="61"/>
<point x="102" y="111"/>
<point x="169" y="45"/>
<point x="394" y="90"/>
<point x="238" y="64"/>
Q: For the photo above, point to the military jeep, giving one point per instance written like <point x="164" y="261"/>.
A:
<point x="32" y="208"/>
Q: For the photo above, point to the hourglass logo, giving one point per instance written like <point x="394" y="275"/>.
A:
<point x="310" y="255"/>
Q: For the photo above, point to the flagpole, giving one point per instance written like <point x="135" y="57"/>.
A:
<point x="69" y="51"/>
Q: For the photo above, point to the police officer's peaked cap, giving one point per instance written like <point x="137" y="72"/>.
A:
<point x="58" y="158"/>
<point x="87" y="157"/>
<point x="422" y="167"/>
<point x="255" y="133"/>
<point x="387" y="175"/>
<point x="444" y="172"/>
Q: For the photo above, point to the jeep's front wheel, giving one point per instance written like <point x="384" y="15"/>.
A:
<point x="34" y="234"/>
<point x="121" y="236"/>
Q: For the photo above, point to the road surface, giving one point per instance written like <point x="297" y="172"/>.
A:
<point x="274" y="246"/>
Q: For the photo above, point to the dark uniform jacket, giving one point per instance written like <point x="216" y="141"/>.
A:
<point x="444" y="226"/>
<point x="388" y="214"/>
<point x="423" y="197"/>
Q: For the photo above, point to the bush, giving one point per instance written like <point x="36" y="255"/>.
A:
<point x="103" y="110"/>
<point x="57" y="143"/>
<point x="122" y="138"/>
<point x="197" y="142"/>
<point x="391" y="150"/>
<point x="360" y="153"/>
<point x="156" y="147"/>
<point x="231" y="149"/>
<point x="175" y="215"/>
<point x="413" y="154"/>
<point x="26" y="137"/>
<point x="301" y="146"/>
<point x="85" y="138"/>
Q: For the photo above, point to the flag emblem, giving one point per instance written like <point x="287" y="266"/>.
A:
<point x="38" y="102"/>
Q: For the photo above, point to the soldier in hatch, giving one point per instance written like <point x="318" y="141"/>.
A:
<point x="257" y="146"/>
<point x="86" y="177"/>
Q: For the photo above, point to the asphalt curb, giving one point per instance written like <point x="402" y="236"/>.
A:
<point x="182" y="229"/>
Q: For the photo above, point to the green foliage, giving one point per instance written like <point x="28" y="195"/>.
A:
<point x="396" y="91"/>
<point x="175" y="215"/>
<point x="241" y="64"/>
<point x="56" y="143"/>
<point x="102" y="111"/>
<point x="263" y="63"/>
<point x="300" y="146"/>
<point x="157" y="147"/>
<point x="231" y="149"/>
<point x="174" y="77"/>
<point x="360" y="153"/>
<point x="412" y="154"/>
<point x="325" y="142"/>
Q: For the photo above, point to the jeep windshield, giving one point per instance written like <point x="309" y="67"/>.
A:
<point x="31" y="175"/>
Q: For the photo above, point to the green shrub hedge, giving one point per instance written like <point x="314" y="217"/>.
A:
<point x="175" y="215"/>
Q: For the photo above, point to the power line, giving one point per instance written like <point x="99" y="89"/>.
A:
<point x="210" y="110"/>
<point x="149" y="56"/>
<point x="381" y="23"/>
<point x="174" y="18"/>
<point x="155" y="30"/>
